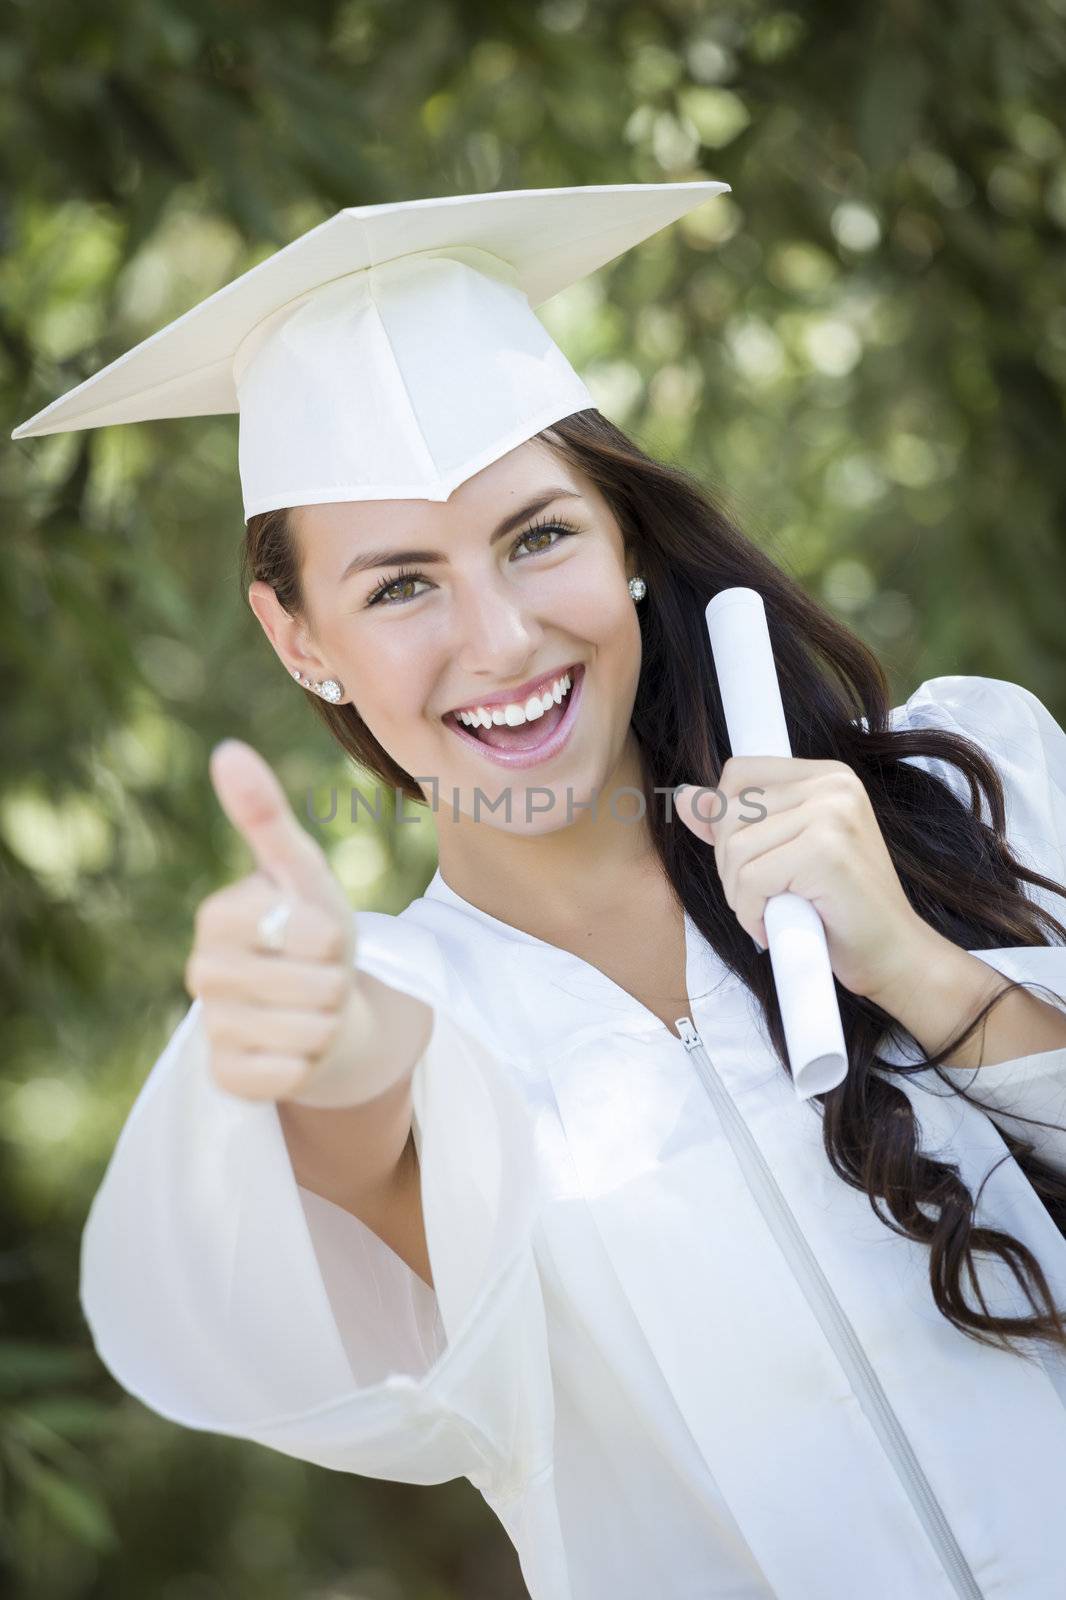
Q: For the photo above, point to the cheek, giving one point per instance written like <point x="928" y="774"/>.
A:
<point x="387" y="687"/>
<point x="593" y="603"/>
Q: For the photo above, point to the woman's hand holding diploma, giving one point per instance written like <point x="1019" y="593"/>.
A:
<point x="819" y="839"/>
<point x="301" y="1024"/>
<point x="805" y="867"/>
<point x="807" y="827"/>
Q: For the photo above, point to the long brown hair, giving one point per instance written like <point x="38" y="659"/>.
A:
<point x="957" y="871"/>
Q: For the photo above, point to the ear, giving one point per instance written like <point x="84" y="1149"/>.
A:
<point x="285" y="632"/>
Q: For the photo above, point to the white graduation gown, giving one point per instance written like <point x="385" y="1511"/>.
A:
<point x="673" y="1351"/>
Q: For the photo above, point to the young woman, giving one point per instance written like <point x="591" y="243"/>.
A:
<point x="515" y="1185"/>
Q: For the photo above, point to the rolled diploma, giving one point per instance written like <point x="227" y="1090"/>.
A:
<point x="755" y="718"/>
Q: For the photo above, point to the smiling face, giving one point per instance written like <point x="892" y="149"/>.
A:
<point x="420" y="608"/>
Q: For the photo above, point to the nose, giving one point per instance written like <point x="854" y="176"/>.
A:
<point x="496" y="633"/>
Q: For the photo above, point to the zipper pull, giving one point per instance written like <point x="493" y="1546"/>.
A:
<point x="689" y="1037"/>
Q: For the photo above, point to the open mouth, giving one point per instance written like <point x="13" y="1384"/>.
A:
<point x="533" y="740"/>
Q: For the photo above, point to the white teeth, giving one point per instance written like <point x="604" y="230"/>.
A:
<point x="516" y="713"/>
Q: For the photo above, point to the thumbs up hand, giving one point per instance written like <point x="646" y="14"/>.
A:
<point x="288" y="1024"/>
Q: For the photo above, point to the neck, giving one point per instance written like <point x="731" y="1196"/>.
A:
<point x="568" y="877"/>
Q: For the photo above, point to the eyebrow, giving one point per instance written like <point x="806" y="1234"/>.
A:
<point x="390" y="558"/>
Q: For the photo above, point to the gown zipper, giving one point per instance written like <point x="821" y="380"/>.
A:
<point x="845" y="1342"/>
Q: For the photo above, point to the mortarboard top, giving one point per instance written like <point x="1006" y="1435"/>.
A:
<point x="392" y="351"/>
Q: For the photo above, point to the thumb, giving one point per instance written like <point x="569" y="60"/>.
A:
<point x="699" y="809"/>
<point x="254" y="801"/>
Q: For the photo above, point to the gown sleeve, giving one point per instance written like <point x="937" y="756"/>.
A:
<point x="1028" y="748"/>
<point x="228" y="1298"/>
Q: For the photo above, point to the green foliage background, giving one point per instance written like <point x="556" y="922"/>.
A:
<point x="863" y="347"/>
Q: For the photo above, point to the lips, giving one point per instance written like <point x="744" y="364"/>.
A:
<point x="516" y="696"/>
<point x="546" y="748"/>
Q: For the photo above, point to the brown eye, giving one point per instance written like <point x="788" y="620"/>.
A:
<point x="400" y="579"/>
<point x="550" y="525"/>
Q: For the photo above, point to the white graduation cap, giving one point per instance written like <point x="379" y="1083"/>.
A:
<point x="392" y="351"/>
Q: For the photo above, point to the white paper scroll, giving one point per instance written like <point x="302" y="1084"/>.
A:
<point x="755" y="718"/>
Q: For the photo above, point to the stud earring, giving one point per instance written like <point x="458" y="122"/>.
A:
<point x="638" y="588"/>
<point x="327" y="689"/>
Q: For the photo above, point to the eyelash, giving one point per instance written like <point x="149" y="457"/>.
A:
<point x="406" y="575"/>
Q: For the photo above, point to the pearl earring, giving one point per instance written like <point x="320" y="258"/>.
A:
<point x="638" y="588"/>
<point x="328" y="689"/>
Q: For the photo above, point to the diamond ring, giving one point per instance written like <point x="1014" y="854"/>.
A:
<point x="270" y="929"/>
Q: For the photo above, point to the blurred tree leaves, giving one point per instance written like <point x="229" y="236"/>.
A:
<point x="863" y="347"/>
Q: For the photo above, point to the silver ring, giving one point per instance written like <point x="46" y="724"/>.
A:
<point x="270" y="929"/>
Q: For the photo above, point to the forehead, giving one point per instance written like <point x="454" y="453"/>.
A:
<point x="504" y="485"/>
